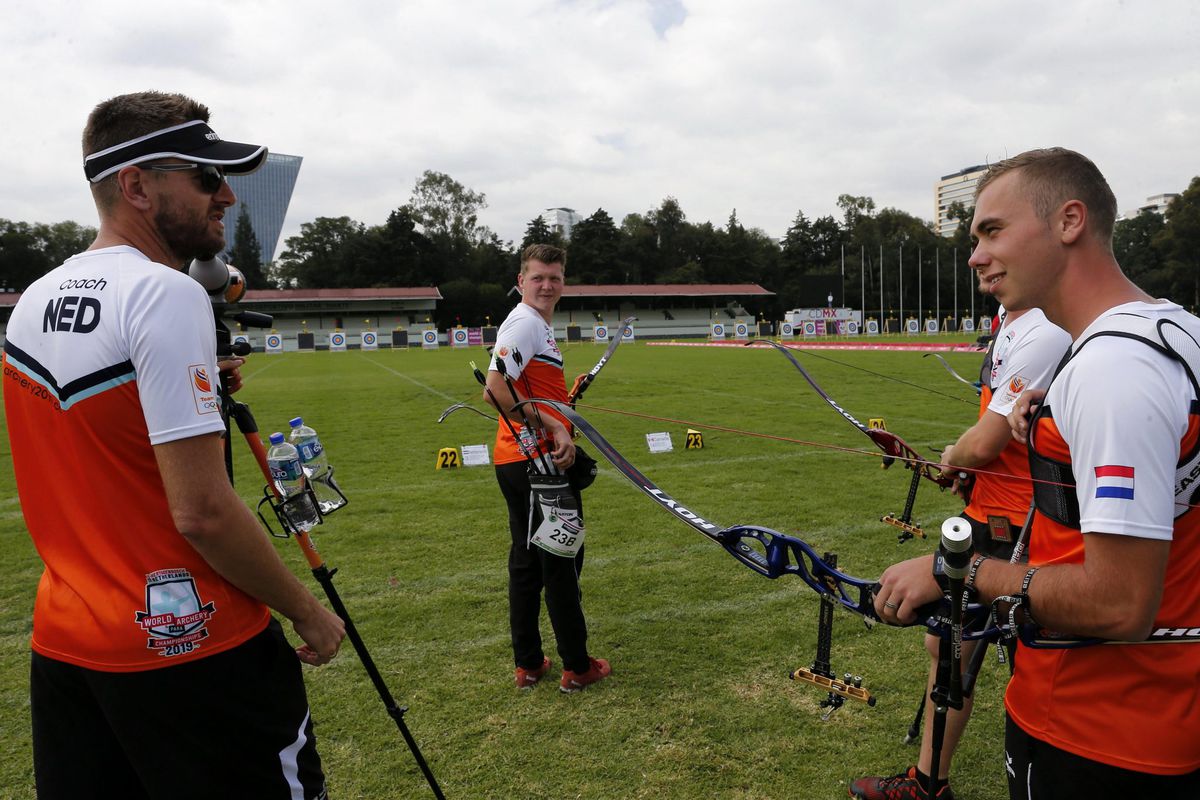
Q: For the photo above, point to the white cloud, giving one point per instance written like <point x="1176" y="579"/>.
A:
<point x="766" y="107"/>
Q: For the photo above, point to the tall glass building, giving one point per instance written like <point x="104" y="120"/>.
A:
<point x="265" y="195"/>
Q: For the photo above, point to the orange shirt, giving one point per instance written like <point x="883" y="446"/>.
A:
<point x="86" y="393"/>
<point x="1134" y="706"/>
<point x="992" y="495"/>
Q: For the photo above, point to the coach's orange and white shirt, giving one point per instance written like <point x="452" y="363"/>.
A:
<point x="105" y="357"/>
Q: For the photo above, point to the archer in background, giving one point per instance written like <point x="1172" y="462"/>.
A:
<point x="1024" y="351"/>
<point x="528" y="331"/>
<point x="157" y="669"/>
<point x="1114" y="545"/>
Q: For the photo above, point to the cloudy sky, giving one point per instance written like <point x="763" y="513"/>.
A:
<point x="767" y="107"/>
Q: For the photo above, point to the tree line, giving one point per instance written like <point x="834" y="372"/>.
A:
<point x="883" y="259"/>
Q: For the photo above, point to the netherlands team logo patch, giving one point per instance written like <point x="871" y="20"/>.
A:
<point x="202" y="390"/>
<point x="1114" y="481"/>
<point x="200" y="376"/>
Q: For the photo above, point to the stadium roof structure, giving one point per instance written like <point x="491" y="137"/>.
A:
<point x="301" y="295"/>
<point x="663" y="290"/>
<point x="666" y="290"/>
<point x="315" y="295"/>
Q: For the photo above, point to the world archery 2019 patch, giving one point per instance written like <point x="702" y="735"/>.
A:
<point x="1114" y="481"/>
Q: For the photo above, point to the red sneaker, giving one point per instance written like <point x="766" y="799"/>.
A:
<point x="904" y="786"/>
<point x="577" y="681"/>
<point x="528" y="678"/>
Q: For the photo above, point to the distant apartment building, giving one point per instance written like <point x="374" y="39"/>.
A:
<point x="1156" y="203"/>
<point x="958" y="187"/>
<point x="561" y="220"/>
<point x="265" y="194"/>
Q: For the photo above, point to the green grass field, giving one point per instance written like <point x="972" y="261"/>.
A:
<point x="699" y="704"/>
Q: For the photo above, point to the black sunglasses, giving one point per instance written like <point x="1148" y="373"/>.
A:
<point x="211" y="178"/>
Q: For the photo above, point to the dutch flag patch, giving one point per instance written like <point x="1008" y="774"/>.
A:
<point x="1114" y="481"/>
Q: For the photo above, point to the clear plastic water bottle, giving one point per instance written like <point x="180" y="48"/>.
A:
<point x="316" y="464"/>
<point x="312" y="454"/>
<point x="288" y="474"/>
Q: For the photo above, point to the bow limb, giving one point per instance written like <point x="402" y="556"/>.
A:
<point x="976" y="385"/>
<point x="585" y="380"/>
<point x="464" y="407"/>
<point x="892" y="445"/>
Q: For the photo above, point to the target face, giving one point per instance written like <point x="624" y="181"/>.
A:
<point x="851" y="327"/>
<point x="337" y="340"/>
<point x="430" y="336"/>
<point x="718" y="330"/>
<point x="460" y="336"/>
<point x="741" y="330"/>
<point x="601" y="332"/>
<point x="273" y="341"/>
<point x="786" y="329"/>
<point x="368" y="338"/>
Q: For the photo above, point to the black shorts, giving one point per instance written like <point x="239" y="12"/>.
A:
<point x="1040" y="771"/>
<point x="232" y="725"/>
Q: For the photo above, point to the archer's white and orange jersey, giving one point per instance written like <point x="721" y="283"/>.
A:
<point x="106" y="356"/>
<point x="1025" y="355"/>
<point x="1125" y="418"/>
<point x="540" y="373"/>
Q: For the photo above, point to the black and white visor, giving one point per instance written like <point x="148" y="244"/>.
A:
<point x="191" y="141"/>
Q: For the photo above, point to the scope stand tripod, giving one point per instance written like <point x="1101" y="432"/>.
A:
<point x="240" y="413"/>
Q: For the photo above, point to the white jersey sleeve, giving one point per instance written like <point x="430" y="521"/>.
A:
<point x="168" y="324"/>
<point x="1030" y="349"/>
<point x="521" y="332"/>
<point x="1122" y="408"/>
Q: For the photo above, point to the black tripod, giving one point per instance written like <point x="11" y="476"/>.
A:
<point x="954" y="556"/>
<point x="240" y="413"/>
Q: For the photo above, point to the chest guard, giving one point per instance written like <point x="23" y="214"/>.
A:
<point x="1054" y="492"/>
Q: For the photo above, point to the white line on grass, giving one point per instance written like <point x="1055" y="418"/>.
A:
<point x="413" y="381"/>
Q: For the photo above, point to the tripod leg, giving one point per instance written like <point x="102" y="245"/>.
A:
<point x="249" y="428"/>
<point x="914" y="729"/>
<point x="325" y="577"/>
<point x="941" y="683"/>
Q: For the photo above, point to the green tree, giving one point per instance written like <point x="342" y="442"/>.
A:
<point x="639" y="250"/>
<point x="854" y="208"/>
<point x="1135" y="249"/>
<point x="670" y="228"/>
<point x="538" y="232"/>
<point x="28" y="251"/>
<point x="595" y="252"/>
<point x="446" y="208"/>
<point x="448" y="213"/>
<point x="1179" y="243"/>
<point x="246" y="253"/>
<point x="320" y="256"/>
<point x="22" y="258"/>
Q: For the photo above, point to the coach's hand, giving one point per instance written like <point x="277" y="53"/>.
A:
<point x="231" y="373"/>
<point x="322" y="633"/>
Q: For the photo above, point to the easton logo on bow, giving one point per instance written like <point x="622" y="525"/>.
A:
<point x="1114" y="481"/>
<point x="200" y="376"/>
